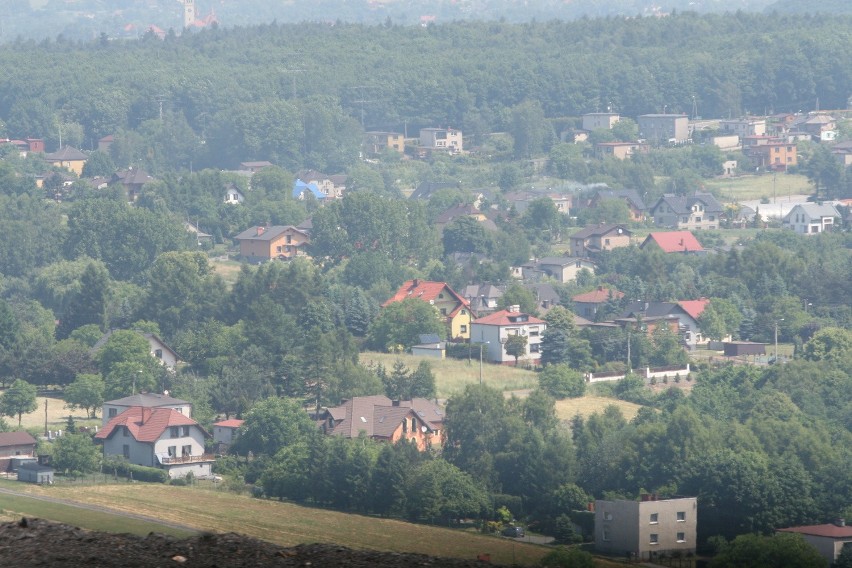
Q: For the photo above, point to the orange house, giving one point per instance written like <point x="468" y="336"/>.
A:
<point x="265" y="243"/>
<point x="776" y="156"/>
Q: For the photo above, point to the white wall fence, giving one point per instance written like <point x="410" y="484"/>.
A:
<point x="647" y="373"/>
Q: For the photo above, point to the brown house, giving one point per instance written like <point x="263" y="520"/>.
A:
<point x="417" y="421"/>
<point x="265" y="243"/>
<point x="597" y="238"/>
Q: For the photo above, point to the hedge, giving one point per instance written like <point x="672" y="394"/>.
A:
<point x="142" y="473"/>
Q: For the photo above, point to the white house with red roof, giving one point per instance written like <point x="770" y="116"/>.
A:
<point x="495" y="329"/>
<point x="588" y="303"/>
<point x="829" y="539"/>
<point x="687" y="313"/>
<point x="454" y="310"/>
<point x="225" y="432"/>
<point x="158" y="437"/>
<point x="674" y="241"/>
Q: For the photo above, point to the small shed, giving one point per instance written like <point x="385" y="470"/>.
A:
<point x="430" y="346"/>
<point x="738" y="348"/>
<point x="33" y="472"/>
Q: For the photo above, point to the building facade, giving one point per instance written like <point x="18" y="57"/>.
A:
<point x="495" y="329"/>
<point x="661" y="129"/>
<point x="448" y="139"/>
<point x="647" y="528"/>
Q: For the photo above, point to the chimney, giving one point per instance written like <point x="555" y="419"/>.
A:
<point x="415" y="283"/>
<point x="260" y="230"/>
<point x="146" y="414"/>
<point x="394" y="403"/>
<point x="840" y="522"/>
<point x="515" y="308"/>
<point x="681" y="242"/>
<point x="646" y="497"/>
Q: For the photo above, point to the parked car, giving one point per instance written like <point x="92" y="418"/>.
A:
<point x="514" y="532"/>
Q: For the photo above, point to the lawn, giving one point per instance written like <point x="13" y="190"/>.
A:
<point x="586" y="406"/>
<point x="452" y="375"/>
<point x="57" y="416"/>
<point x="229" y="270"/>
<point x="286" y="524"/>
<point x="759" y="186"/>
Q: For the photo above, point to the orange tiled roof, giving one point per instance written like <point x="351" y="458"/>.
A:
<point x="598" y="296"/>
<point x="232" y="423"/>
<point x="676" y="241"/>
<point x="146" y="424"/>
<point x="502" y="318"/>
<point x="425" y="290"/>
<point x="694" y="307"/>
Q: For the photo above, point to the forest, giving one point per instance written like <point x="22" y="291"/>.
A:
<point x="761" y="447"/>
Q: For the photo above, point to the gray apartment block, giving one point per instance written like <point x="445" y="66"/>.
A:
<point x="661" y="129"/>
<point x="646" y="528"/>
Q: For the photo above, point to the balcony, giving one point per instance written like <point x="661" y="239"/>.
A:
<point x="176" y="460"/>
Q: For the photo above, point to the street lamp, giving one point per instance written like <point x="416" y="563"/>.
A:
<point x="480" y="360"/>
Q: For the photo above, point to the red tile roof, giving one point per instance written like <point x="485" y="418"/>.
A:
<point x="694" y="307"/>
<point x="16" y="439"/>
<point x="425" y="290"/>
<point x="146" y="424"/>
<point x="598" y="296"/>
<point x="675" y="241"/>
<point x="503" y="318"/>
<point x="232" y="423"/>
<point x="828" y="530"/>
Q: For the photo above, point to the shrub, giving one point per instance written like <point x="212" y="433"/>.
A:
<point x="141" y="473"/>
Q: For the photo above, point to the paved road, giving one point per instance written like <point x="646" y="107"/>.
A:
<point x="99" y="509"/>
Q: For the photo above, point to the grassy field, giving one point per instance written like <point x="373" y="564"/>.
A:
<point x="451" y="375"/>
<point x="229" y="270"/>
<point x="287" y="524"/>
<point x="57" y="416"/>
<point x="588" y="405"/>
<point x="14" y="507"/>
<point x="757" y="187"/>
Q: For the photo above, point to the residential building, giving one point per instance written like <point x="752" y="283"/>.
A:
<point x="332" y="186"/>
<point x="446" y="139"/>
<point x="822" y="127"/>
<point x="635" y="204"/>
<point x="742" y="127"/>
<point x="430" y="345"/>
<point x="691" y="213"/>
<point x="417" y="421"/>
<point x="843" y="152"/>
<point x="233" y="195"/>
<point x="563" y="269"/>
<point x="661" y="129"/>
<point x="588" y="304"/>
<point x="619" y="150"/>
<point x="225" y="433"/>
<point x="457" y="211"/>
<point x="131" y="180"/>
<point x="829" y="539"/>
<point x="159" y="349"/>
<point x="521" y="200"/>
<point x="16" y="444"/>
<point x="304" y="190"/>
<point x="68" y="158"/>
<point x="674" y="241"/>
<point x="482" y="298"/>
<point x="495" y="329"/>
<point x="811" y="218"/>
<point x="775" y="156"/>
<point x="254" y="167"/>
<point x="726" y="142"/>
<point x="648" y="528"/>
<point x="105" y="143"/>
<point x="545" y="294"/>
<point x="266" y="243"/>
<point x="158" y="437"/>
<point x="686" y="313"/>
<point x="597" y="238"/>
<point x="452" y="308"/>
<point x="113" y="408"/>
<point x="598" y="120"/>
<point x="377" y="142"/>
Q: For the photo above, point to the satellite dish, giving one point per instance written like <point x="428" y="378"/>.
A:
<point x="423" y="429"/>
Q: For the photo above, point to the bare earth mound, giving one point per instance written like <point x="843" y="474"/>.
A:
<point x="34" y="542"/>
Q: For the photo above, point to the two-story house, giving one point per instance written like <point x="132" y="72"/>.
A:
<point x="495" y="329"/>
<point x="377" y="142"/>
<point x="647" y="528"/>
<point x="686" y="312"/>
<point x="619" y="150"/>
<point x="691" y="213"/>
<point x="453" y="309"/>
<point x="157" y="437"/>
<point x="742" y="127"/>
<point x="664" y="128"/>
<point x="68" y="158"/>
<point x="442" y="139"/>
<point x="265" y="243"/>
<point x="588" y="304"/>
<point x="829" y="539"/>
<point x="333" y="185"/>
<point x="113" y="408"/>
<point x="597" y="238"/>
<point x="599" y="120"/>
<point x="225" y="433"/>
<point x="563" y="269"/>
<point x="811" y="218"/>
<point x="418" y="421"/>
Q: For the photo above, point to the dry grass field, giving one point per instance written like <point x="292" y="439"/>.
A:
<point x="57" y="416"/>
<point x="757" y="187"/>
<point x="452" y="375"/>
<point x="287" y="524"/>
<point x="229" y="270"/>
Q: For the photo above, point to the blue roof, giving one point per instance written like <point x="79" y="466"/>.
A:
<point x="299" y="188"/>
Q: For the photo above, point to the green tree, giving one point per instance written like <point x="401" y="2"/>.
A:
<point x="76" y="454"/>
<point x="439" y="490"/>
<point x="516" y="346"/>
<point x="123" y="346"/>
<point x="783" y="550"/>
<point x="402" y="323"/>
<point x="273" y="424"/>
<point x="19" y="399"/>
<point x="98" y="164"/>
<point x="567" y="558"/>
<point x="86" y="392"/>
<point x="517" y="295"/>
<point x="130" y="377"/>
<point x="562" y="382"/>
<point x="465" y="234"/>
<point x="829" y="344"/>
<point x="88" y="306"/>
<point x="720" y="319"/>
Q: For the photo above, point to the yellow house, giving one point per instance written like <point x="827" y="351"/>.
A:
<point x="68" y="158"/>
<point x="454" y="309"/>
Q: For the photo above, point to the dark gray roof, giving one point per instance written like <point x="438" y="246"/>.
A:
<point x="427" y="188"/>
<point x="630" y="195"/>
<point x="682" y="205"/>
<point x="66" y="153"/>
<point x="601" y="229"/>
<point x="429" y="338"/>
<point x="561" y="260"/>
<point x="147" y="400"/>
<point x="268" y="233"/>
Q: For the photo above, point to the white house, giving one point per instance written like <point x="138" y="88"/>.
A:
<point x="158" y="437"/>
<point x="448" y="139"/>
<point x="113" y="408"/>
<point x="233" y="196"/>
<point x="495" y="329"/>
<point x="811" y="218"/>
<point x="225" y="433"/>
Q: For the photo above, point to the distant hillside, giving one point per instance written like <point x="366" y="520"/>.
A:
<point x="811" y="6"/>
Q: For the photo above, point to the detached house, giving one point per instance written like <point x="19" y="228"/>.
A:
<point x="561" y="268"/>
<point x="647" y="528"/>
<point x="453" y="308"/>
<point x="68" y="158"/>
<point x="377" y="142"/>
<point x="674" y="241"/>
<point x="158" y="437"/>
<point x="811" y="218"/>
<point x="630" y="196"/>
<point x="495" y="329"/>
<point x="113" y="408"/>
<point x="829" y="539"/>
<point x="588" y="303"/>
<point x="266" y="243"/>
<point x="597" y="238"/>
<point x="695" y="212"/>
<point x="441" y="139"/>
<point x="225" y="433"/>
<point x="686" y="314"/>
<point x="417" y="421"/>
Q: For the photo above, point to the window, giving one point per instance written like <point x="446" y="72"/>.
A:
<point x="185" y="431"/>
<point x="607" y="516"/>
<point x="698" y="219"/>
<point x="174" y="431"/>
<point x="289" y="239"/>
<point x="681" y="537"/>
<point x="404" y="426"/>
<point x="681" y="516"/>
<point x="125" y="451"/>
<point x="655" y="518"/>
<point x="278" y="248"/>
<point x="172" y="451"/>
<point x="463" y="329"/>
<point x="443" y="311"/>
<point x="655" y="538"/>
<point x="535" y="348"/>
<point x="606" y="535"/>
<point x="685" y="219"/>
<point x="606" y="242"/>
<point x="112" y="412"/>
<point x="125" y="431"/>
<point x="158" y="353"/>
<point x="712" y="217"/>
<point x="186" y="451"/>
